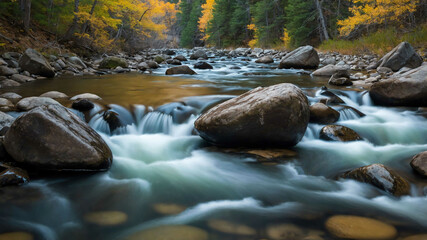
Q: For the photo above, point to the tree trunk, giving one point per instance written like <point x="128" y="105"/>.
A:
<point x="85" y="25"/>
<point x="26" y="13"/>
<point x="73" y="26"/>
<point x="322" y="21"/>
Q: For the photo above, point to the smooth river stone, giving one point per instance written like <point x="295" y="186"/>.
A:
<point x="284" y="232"/>
<point x="106" y="218"/>
<point x="231" y="227"/>
<point x="89" y="96"/>
<point x="16" y="236"/>
<point x="175" y="232"/>
<point x="355" y="227"/>
<point x="168" y="208"/>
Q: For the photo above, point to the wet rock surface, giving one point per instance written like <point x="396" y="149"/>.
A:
<point x="323" y="114"/>
<point x="419" y="163"/>
<point x="273" y="116"/>
<point x="338" y="133"/>
<point x="381" y="177"/>
<point x="407" y="89"/>
<point x="302" y="57"/>
<point x="53" y="138"/>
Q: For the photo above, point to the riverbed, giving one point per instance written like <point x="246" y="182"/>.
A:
<point x="161" y="165"/>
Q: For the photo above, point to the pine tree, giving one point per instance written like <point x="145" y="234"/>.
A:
<point x="301" y="22"/>
<point x="190" y="14"/>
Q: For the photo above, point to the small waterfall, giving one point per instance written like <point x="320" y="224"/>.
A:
<point x="348" y="114"/>
<point x="99" y="124"/>
<point x="366" y="99"/>
<point x="139" y="112"/>
<point x="155" y="122"/>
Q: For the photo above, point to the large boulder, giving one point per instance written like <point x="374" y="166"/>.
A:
<point x="407" y="89"/>
<point x="403" y="55"/>
<point x="33" y="62"/>
<point x="302" y="57"/>
<point x="199" y="54"/>
<point x="338" y="133"/>
<point x="323" y="114"/>
<point x="113" y="62"/>
<point x="184" y="69"/>
<point x="265" y="59"/>
<point x="203" y="65"/>
<point x="381" y="177"/>
<point x="53" y="138"/>
<point x="329" y="70"/>
<point x="272" y="116"/>
<point x="29" y="103"/>
<point x="419" y="163"/>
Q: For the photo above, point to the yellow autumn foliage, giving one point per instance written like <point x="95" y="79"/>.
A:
<point x="368" y="12"/>
<point x="207" y="15"/>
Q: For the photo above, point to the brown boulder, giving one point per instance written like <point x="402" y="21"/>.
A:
<point x="381" y="177"/>
<point x="272" y="116"/>
<point x="33" y="62"/>
<point x="53" y="138"/>
<point x="180" y="70"/>
<point x="403" y="55"/>
<point x="419" y="163"/>
<point x="302" y="57"/>
<point x="320" y="113"/>
<point x="407" y="89"/>
<point x="338" y="133"/>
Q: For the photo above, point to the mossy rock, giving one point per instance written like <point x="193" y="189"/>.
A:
<point x="113" y="62"/>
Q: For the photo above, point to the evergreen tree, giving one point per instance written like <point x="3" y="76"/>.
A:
<point x="191" y="11"/>
<point x="269" y="19"/>
<point x="301" y="22"/>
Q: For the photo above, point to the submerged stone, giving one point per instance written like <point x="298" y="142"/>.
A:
<point x="106" y="218"/>
<point x="284" y="232"/>
<point x="355" y="227"/>
<point x="231" y="227"/>
<point x="175" y="232"/>
<point x="168" y="208"/>
<point x="16" y="236"/>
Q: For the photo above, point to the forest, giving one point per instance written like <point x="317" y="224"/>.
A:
<point x="112" y="25"/>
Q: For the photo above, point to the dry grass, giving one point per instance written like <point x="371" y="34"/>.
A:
<point x="379" y="43"/>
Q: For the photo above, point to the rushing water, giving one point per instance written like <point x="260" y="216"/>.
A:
<point x="158" y="160"/>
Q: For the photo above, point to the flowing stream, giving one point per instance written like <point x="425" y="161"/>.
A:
<point x="158" y="161"/>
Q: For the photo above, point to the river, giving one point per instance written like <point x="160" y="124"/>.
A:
<point x="160" y="164"/>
